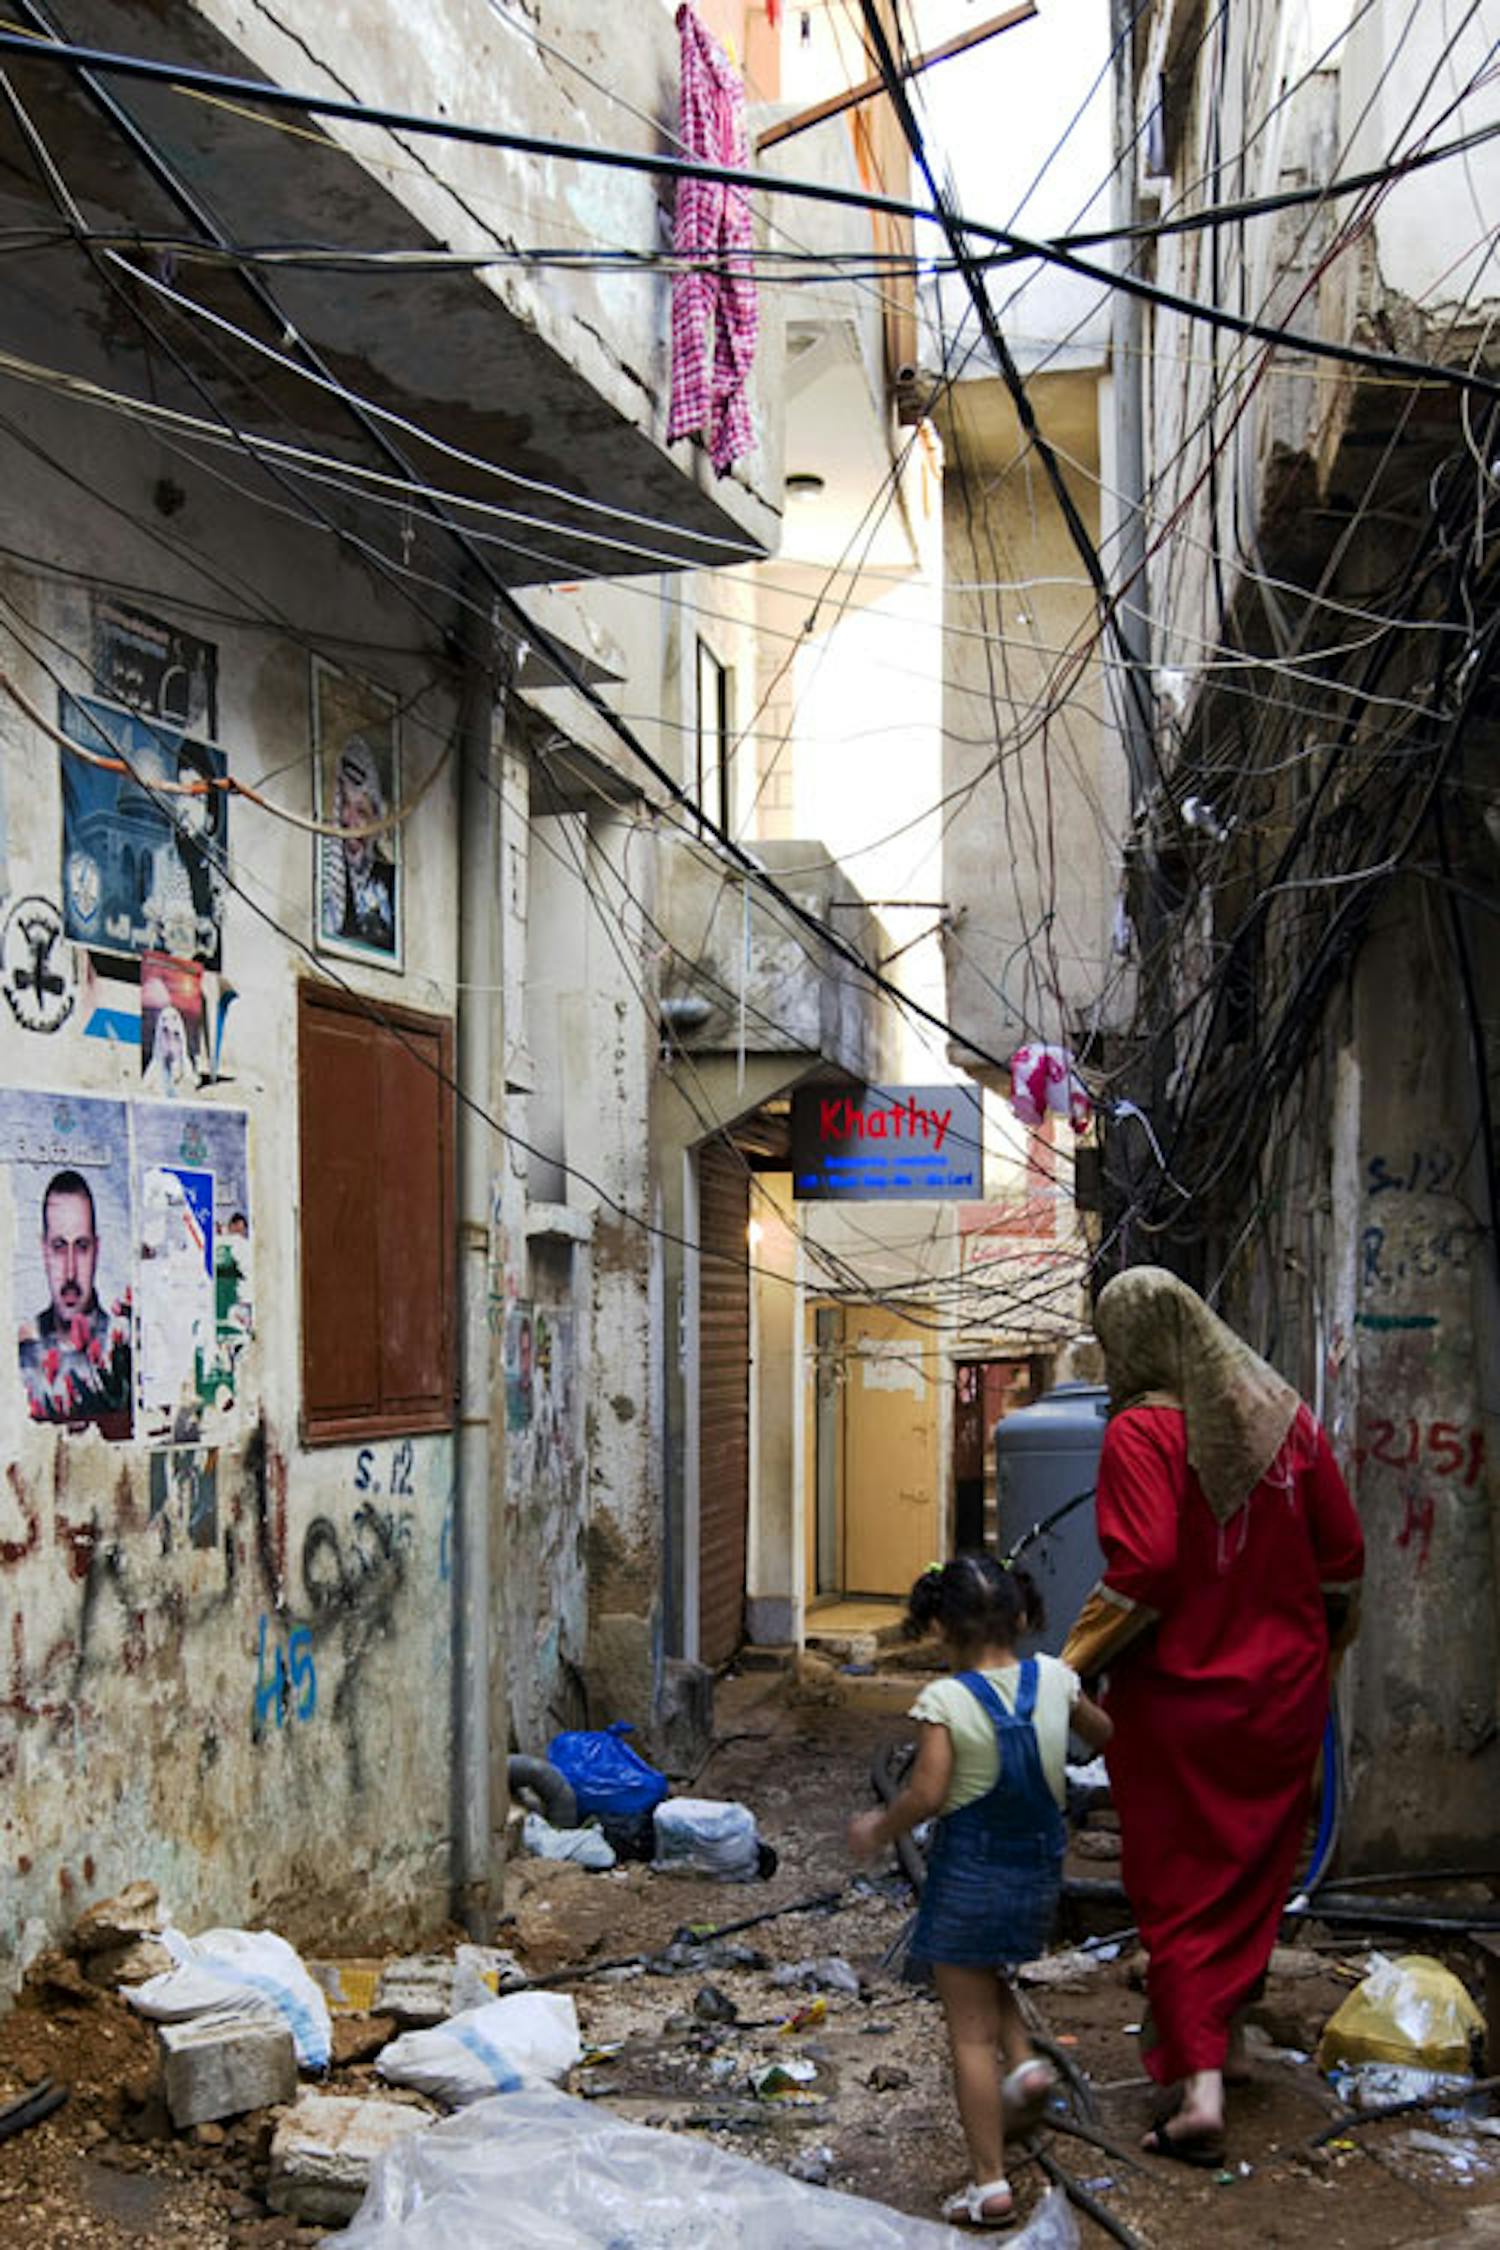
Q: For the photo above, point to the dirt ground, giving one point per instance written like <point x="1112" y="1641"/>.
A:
<point x="107" y="2171"/>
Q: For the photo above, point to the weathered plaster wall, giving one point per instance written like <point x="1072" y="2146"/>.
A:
<point x="625" y="1516"/>
<point x="251" y="1708"/>
<point x="1425" y="1758"/>
<point x="1369" y="1278"/>
<point x="1035" y="814"/>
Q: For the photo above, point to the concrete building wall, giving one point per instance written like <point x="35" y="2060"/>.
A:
<point x="1035" y="805"/>
<point x="235" y="1683"/>
<point x="1331" y="1065"/>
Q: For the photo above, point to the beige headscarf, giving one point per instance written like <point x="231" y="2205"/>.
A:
<point x="1162" y="1346"/>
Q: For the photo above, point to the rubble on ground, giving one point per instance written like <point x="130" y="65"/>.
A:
<point x="791" y="2041"/>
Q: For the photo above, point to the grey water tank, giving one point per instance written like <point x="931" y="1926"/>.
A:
<point x="1045" y="1456"/>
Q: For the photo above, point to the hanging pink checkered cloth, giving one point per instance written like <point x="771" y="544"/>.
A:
<point x="715" y="313"/>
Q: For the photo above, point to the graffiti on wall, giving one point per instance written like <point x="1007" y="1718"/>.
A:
<point x="38" y="973"/>
<point x="1436" y="1465"/>
<point x="1415" y="1235"/>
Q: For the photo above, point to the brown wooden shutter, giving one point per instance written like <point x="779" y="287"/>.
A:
<point x="724" y="1399"/>
<point x="377" y="1219"/>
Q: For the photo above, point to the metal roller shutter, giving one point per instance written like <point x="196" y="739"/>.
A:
<point x="724" y="1399"/>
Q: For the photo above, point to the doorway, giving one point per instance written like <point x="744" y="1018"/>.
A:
<point x="985" y="1391"/>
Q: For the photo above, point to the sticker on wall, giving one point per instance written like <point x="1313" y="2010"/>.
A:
<point x="892" y="1364"/>
<point x="155" y="668"/>
<point x="37" y="967"/>
<point x="109" y="998"/>
<point x="185" y="1496"/>
<point x="174" y="1045"/>
<point x="357" y="765"/>
<point x="140" y="869"/>
<point x="72" y="1259"/>
<point x="196" y="1294"/>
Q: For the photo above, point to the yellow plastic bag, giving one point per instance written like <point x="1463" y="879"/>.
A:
<point x="1411" y="2011"/>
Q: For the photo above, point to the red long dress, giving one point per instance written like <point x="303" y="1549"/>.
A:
<point x="1219" y="1712"/>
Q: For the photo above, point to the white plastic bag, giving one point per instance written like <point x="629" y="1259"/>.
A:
<point x="540" y="2171"/>
<point x="237" y="1972"/>
<point x="524" y="2039"/>
<point x="701" y="1836"/>
<point x="586" y="1847"/>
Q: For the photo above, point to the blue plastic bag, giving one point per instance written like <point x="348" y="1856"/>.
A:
<point x="608" y="1777"/>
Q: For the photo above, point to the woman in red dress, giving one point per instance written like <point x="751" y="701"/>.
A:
<point x="1232" y="1564"/>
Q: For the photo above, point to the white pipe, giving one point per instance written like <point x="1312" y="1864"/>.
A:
<point x="479" y="1791"/>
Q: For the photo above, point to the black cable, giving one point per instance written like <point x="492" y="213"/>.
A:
<point x="84" y="61"/>
<point x="955" y="231"/>
<point x="559" y="657"/>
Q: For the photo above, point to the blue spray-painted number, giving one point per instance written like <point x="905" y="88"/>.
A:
<point x="290" y="1687"/>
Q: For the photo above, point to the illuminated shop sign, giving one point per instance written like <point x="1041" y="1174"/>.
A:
<point x="887" y="1144"/>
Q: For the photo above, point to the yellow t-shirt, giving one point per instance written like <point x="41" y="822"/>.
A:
<point x="976" y="1754"/>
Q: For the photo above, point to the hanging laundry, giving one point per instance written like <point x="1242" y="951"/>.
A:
<point x="715" y="313"/>
<point x="1043" y="1079"/>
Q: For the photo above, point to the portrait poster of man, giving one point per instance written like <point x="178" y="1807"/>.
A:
<point x="358" y="771"/>
<point x="174" y="1047"/>
<point x="142" y="869"/>
<point x="68" y="1162"/>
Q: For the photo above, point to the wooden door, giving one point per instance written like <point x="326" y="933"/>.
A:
<point x="892" y="1476"/>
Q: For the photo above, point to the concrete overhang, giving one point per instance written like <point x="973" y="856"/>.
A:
<point x="981" y="430"/>
<point x="558" y="377"/>
<point x="767" y="983"/>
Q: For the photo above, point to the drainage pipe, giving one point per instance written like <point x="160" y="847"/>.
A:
<point x="480" y="1735"/>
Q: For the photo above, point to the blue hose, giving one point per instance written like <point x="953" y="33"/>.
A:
<point x="1328" y="1810"/>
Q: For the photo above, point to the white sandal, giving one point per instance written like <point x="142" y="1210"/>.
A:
<point x="1025" y="2093"/>
<point x="967" y="2207"/>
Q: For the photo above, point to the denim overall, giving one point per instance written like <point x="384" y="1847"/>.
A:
<point x="996" y="1864"/>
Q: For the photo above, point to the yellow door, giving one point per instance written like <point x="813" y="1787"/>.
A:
<point x="891" y="1436"/>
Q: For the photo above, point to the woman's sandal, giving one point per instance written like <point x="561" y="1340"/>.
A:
<point x="1203" y="2150"/>
<point x="967" y="2207"/>
<point x="1025" y="2093"/>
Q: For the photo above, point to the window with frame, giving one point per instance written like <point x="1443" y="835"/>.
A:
<point x="376" y="1219"/>
<point x="714" y="720"/>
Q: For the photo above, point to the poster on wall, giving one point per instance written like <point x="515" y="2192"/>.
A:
<point x="195" y="1293"/>
<point x="356" y="763"/>
<point x="174" y="1042"/>
<point x="147" y="665"/>
<point x="185" y="1496"/>
<point x="552" y="1386"/>
<point x="141" y="871"/>
<point x="71" y="1262"/>
<point x="518" y="1368"/>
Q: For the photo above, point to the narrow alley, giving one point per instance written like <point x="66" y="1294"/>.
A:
<point x="749" y="1069"/>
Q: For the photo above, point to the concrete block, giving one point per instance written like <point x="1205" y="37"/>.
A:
<point x="323" y="2150"/>
<point x="684" y="1727"/>
<point x="417" y="1991"/>
<point x="221" y="2066"/>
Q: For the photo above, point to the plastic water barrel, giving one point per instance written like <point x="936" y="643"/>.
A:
<point x="1044" y="1456"/>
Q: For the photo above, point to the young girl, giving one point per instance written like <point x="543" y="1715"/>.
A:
<point x="990" y="1763"/>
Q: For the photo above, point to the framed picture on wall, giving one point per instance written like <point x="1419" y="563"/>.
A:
<point x="357" y="889"/>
